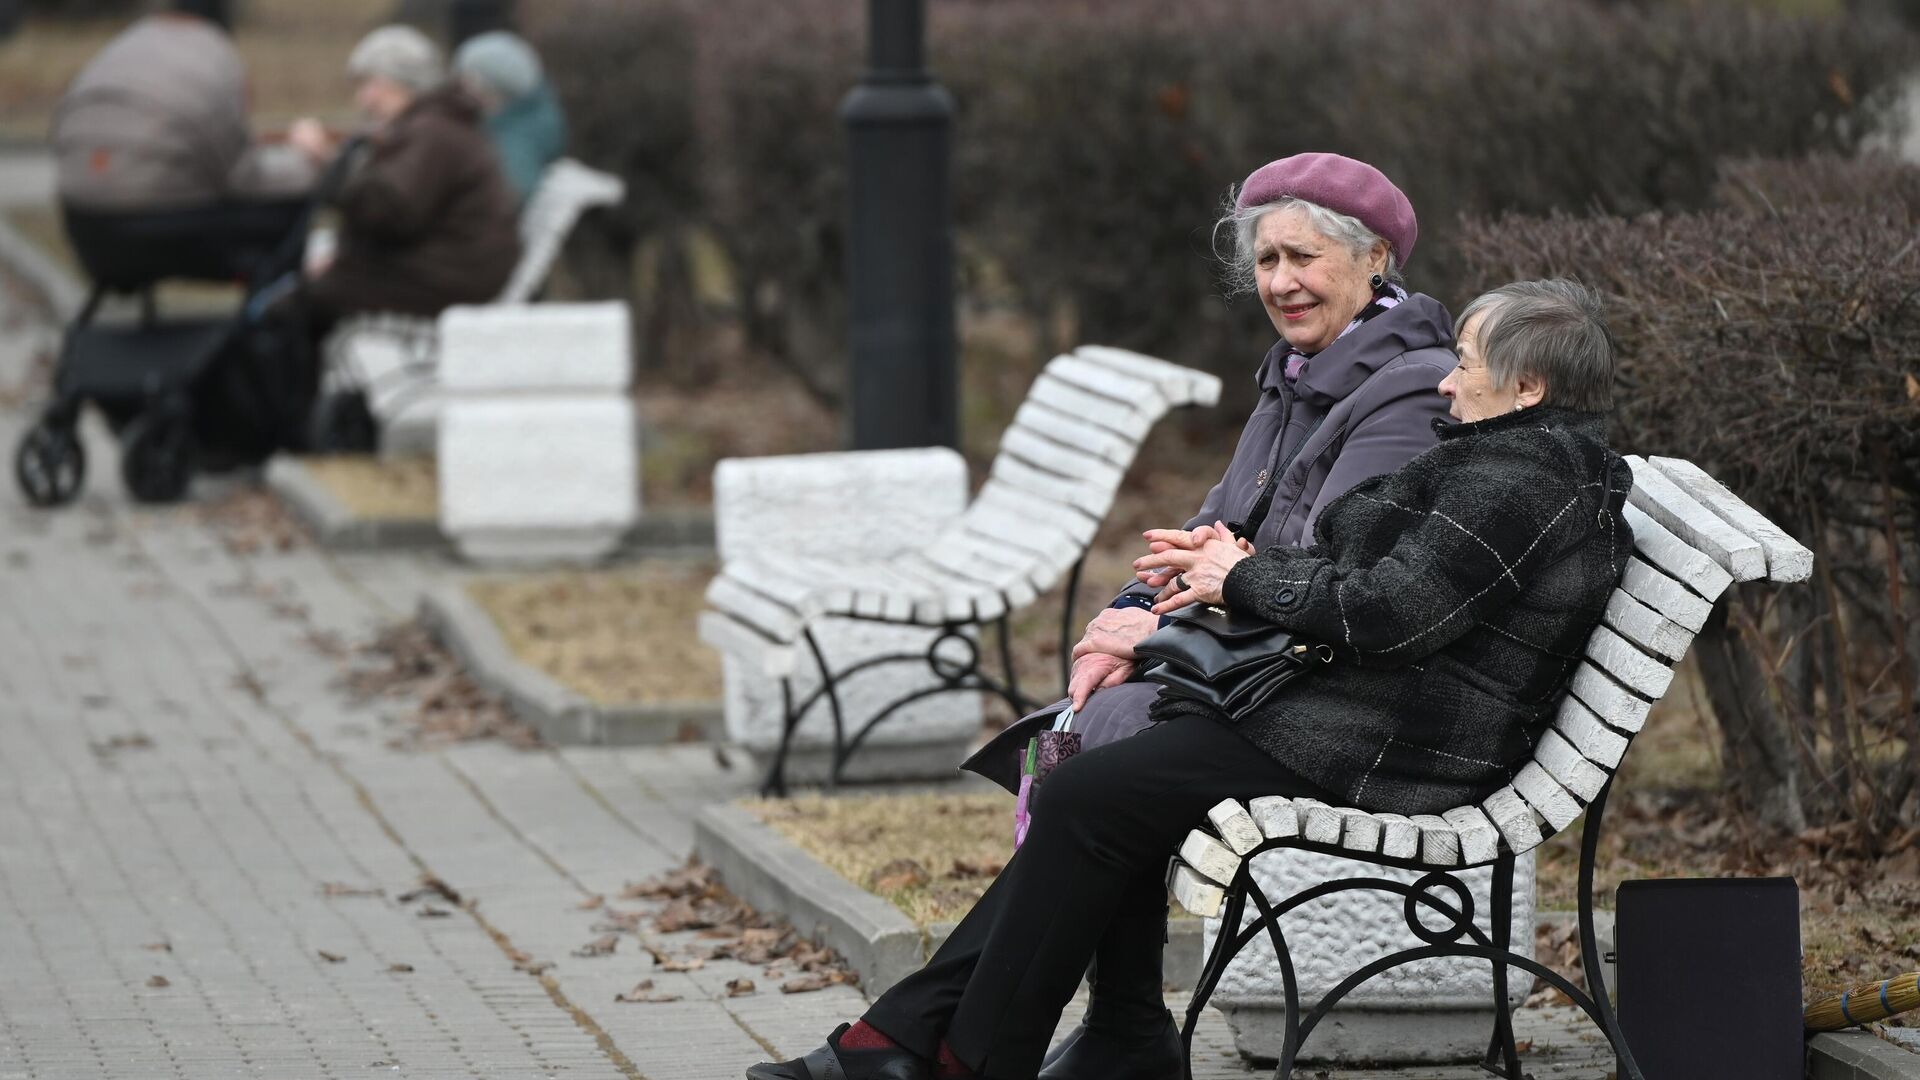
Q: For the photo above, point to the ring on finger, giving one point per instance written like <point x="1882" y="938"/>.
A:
<point x="1180" y="583"/>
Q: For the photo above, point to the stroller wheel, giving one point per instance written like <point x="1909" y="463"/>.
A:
<point x="156" y="456"/>
<point x="49" y="464"/>
<point x="343" y="424"/>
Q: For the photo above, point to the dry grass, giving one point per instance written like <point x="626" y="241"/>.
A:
<point x="953" y="843"/>
<point x="620" y="637"/>
<point x="385" y="489"/>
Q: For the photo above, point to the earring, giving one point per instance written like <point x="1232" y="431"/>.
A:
<point x="1377" y="282"/>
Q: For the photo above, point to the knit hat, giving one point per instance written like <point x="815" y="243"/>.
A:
<point x="400" y="53"/>
<point x="500" y="61"/>
<point x="1343" y="185"/>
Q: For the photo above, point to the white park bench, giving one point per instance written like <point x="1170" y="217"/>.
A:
<point x="1059" y="467"/>
<point x="1692" y="539"/>
<point x="392" y="358"/>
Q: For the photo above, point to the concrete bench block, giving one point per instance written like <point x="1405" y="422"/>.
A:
<point x="506" y="347"/>
<point x="1428" y="1011"/>
<point x="552" y="477"/>
<point x="833" y="514"/>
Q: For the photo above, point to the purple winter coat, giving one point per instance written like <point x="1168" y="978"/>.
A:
<point x="1361" y="408"/>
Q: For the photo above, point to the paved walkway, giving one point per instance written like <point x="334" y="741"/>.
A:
<point x="206" y="848"/>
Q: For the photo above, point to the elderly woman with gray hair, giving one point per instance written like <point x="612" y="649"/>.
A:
<point x="1345" y="394"/>
<point x="426" y="218"/>
<point x="1454" y="594"/>
<point x="524" y="120"/>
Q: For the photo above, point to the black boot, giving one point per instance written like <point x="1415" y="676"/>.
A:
<point x="1127" y="1033"/>
<point x="830" y="1062"/>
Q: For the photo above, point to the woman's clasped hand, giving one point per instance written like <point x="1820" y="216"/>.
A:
<point x="1189" y="566"/>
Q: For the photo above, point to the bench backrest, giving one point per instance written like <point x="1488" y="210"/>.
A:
<point x="567" y="190"/>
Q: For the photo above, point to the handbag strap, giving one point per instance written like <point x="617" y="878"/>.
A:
<point x="1064" y="721"/>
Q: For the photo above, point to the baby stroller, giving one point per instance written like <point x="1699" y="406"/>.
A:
<point x="179" y="393"/>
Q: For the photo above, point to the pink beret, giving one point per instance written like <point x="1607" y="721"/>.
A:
<point x="1342" y="184"/>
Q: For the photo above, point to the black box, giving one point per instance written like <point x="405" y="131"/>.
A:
<point x="1709" y="974"/>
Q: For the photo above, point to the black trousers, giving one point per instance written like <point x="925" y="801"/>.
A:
<point x="1090" y="877"/>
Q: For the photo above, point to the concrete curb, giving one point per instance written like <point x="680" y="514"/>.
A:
<point x="559" y="714"/>
<point x="334" y="525"/>
<point x="59" y="290"/>
<point x="884" y="946"/>
<point x="1858" y="1055"/>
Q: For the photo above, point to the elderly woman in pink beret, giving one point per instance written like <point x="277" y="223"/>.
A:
<point x="1347" y="393"/>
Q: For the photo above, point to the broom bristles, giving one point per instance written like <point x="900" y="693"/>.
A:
<point x="1865" y="1003"/>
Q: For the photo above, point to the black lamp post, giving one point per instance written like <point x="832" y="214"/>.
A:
<point x="903" y="370"/>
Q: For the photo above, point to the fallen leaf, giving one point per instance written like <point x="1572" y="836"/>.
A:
<point x="158" y="946"/>
<point x="971" y="868"/>
<point x="400" y="969"/>
<point x="428" y="911"/>
<point x="592" y="902"/>
<point x="642" y="993"/>
<point x="431" y="886"/>
<point x="600" y="946"/>
<point x="739" y="987"/>
<point x="335" y="888"/>
<point x="332" y="958"/>
<point x="805" y="984"/>
<point x="690" y="964"/>
<point x="898" y="874"/>
<point x="159" y="982"/>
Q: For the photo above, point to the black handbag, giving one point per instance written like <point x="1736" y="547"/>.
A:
<point x="1233" y="663"/>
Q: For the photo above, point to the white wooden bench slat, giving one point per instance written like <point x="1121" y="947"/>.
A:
<point x="1514" y="818"/>
<point x="1011" y="593"/>
<point x="776" y="583"/>
<point x="740" y="642"/>
<point x="1195" y="893"/>
<point x="748" y="605"/>
<point x="1399" y="836"/>
<point x="1619" y="707"/>
<point x="1568" y="766"/>
<point x="1276" y="816"/>
<point x="1479" y="840"/>
<point x="1106" y="412"/>
<point x="1001" y="497"/>
<point x="1439" y="841"/>
<point x="960" y="600"/>
<point x="1552" y="802"/>
<point x="1665" y="595"/>
<point x="1038" y="570"/>
<point x="1318" y="822"/>
<point x="1359" y="830"/>
<point x="1210" y="857"/>
<point x="1142" y="395"/>
<point x="906" y="598"/>
<point x="1664" y="502"/>
<point x="1787" y="558"/>
<point x="1652" y="542"/>
<point x="1235" y="826"/>
<point x="1116" y="450"/>
<point x="1646" y="627"/>
<point x="1064" y="461"/>
<point x="1089" y="499"/>
<point x="1179" y="385"/>
<point x="1635" y="669"/>
<point x="1596" y="741"/>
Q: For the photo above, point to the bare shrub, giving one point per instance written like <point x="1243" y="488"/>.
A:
<point x="1772" y="341"/>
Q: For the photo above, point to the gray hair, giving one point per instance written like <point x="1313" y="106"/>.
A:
<point x="1554" y="330"/>
<point x="1242" y="226"/>
<point x="400" y="53"/>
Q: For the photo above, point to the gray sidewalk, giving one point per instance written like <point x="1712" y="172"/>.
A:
<point x="206" y="843"/>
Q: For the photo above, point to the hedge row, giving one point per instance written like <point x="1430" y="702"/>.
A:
<point x="1094" y="141"/>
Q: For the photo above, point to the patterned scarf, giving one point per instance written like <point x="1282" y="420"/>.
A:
<point x="1388" y="295"/>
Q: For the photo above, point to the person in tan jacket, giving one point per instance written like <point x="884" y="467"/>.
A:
<point x="159" y="172"/>
<point x="427" y="219"/>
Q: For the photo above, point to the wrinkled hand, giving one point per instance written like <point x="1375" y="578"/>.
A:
<point x="310" y="137"/>
<point x="1200" y="559"/>
<point x="1104" y="656"/>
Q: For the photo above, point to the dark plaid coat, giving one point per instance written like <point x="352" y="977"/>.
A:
<point x="1458" y="593"/>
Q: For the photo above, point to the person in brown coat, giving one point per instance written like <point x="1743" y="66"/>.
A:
<point x="426" y="217"/>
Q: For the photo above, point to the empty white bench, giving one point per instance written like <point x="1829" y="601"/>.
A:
<point x="392" y="358"/>
<point x="1059" y="467"/>
<point x="1692" y="539"/>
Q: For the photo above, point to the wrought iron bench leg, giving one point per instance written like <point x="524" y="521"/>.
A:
<point x="1503" y="1054"/>
<point x="1590" y="958"/>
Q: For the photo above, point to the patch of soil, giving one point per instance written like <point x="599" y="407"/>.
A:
<point x="620" y="637"/>
<point x="384" y="489"/>
<point x="404" y="664"/>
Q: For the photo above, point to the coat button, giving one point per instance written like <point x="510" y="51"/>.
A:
<point x="1260" y="480"/>
<point x="1284" y="597"/>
